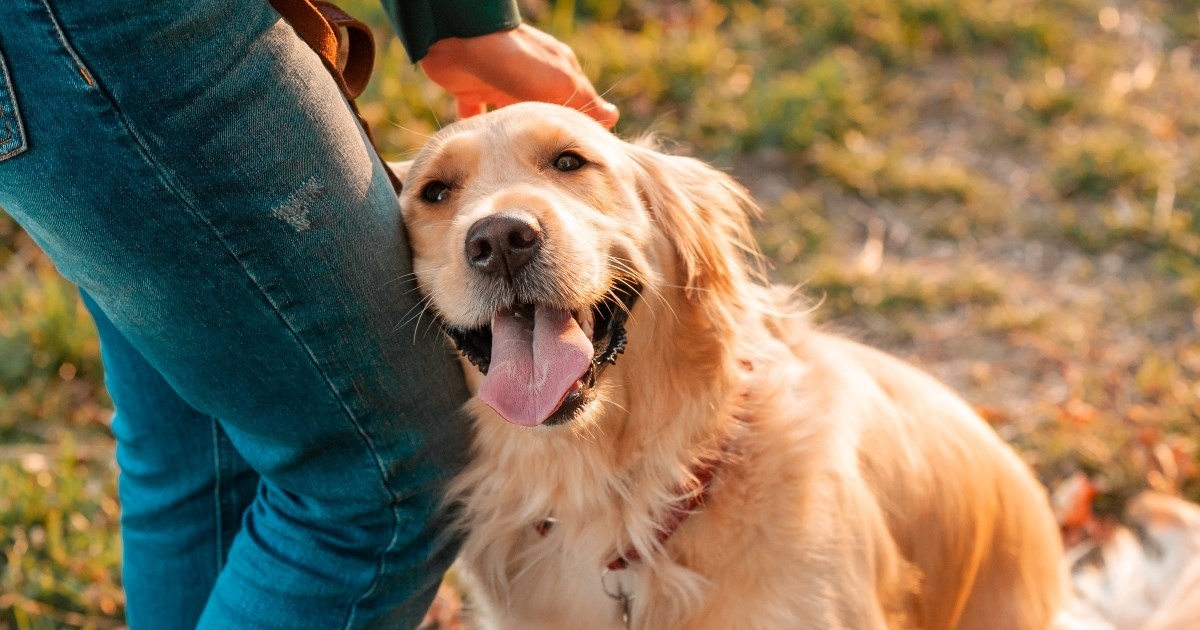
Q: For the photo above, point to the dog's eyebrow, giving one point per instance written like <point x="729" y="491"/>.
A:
<point x="546" y="141"/>
<point x="451" y="174"/>
<point x="448" y="162"/>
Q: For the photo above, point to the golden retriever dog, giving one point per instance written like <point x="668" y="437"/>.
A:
<point x="663" y="440"/>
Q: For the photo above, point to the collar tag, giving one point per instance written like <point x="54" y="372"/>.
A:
<point x="613" y="586"/>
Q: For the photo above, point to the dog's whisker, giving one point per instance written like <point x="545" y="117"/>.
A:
<point x="594" y="105"/>
<point x="616" y="404"/>
<point x="409" y="291"/>
<point x="586" y="431"/>
<point x="433" y="113"/>
<point x="415" y="287"/>
<point x="647" y="286"/>
<point x="432" y="324"/>
<point x="421" y="306"/>
<point x="412" y="131"/>
<point x="423" y="299"/>
<point x="612" y="87"/>
<point x="411" y="276"/>
<point x="626" y="270"/>
<point x="574" y="93"/>
<point x="400" y="278"/>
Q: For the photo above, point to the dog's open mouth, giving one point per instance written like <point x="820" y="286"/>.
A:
<point x="541" y="362"/>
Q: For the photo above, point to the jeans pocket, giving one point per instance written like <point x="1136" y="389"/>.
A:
<point x="12" y="132"/>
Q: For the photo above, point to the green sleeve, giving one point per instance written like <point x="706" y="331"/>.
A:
<point x="420" y="23"/>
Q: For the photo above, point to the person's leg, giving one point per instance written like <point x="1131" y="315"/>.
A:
<point x="183" y="489"/>
<point x="191" y="166"/>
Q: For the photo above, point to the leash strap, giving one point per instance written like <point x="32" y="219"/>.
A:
<point x="345" y="46"/>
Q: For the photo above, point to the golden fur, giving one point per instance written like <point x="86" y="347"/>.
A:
<point x="857" y="491"/>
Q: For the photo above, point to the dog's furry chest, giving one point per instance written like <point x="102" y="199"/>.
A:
<point x="554" y="575"/>
<point x="554" y="590"/>
<point x="727" y="557"/>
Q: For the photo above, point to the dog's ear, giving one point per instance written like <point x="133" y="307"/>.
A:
<point x="704" y="213"/>
<point x="399" y="168"/>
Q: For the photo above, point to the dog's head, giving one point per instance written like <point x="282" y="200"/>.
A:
<point x="538" y="236"/>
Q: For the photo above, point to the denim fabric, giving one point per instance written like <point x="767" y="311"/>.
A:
<point x="190" y="165"/>
<point x="174" y="525"/>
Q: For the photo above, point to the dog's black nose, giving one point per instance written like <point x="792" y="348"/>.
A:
<point x="501" y="244"/>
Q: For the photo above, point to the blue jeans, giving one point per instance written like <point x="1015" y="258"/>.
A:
<point x="285" y="424"/>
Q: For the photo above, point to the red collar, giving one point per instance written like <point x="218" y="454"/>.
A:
<point x="704" y="473"/>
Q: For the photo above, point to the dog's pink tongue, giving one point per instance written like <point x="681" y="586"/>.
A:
<point x="534" y="364"/>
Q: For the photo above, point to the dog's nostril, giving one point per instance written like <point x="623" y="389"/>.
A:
<point x="523" y="237"/>
<point x="502" y="244"/>
<point x="478" y="249"/>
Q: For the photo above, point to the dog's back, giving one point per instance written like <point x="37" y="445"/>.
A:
<point x="966" y="515"/>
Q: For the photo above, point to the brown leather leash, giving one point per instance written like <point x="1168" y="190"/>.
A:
<point x="346" y="47"/>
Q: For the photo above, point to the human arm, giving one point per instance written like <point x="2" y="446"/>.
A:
<point x="484" y="56"/>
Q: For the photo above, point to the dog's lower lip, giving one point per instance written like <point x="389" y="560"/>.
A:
<point x="571" y="403"/>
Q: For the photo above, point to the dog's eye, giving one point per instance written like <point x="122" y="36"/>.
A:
<point x="435" y="192"/>
<point x="568" y="161"/>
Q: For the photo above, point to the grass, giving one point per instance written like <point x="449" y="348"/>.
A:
<point x="58" y="509"/>
<point x="1006" y="192"/>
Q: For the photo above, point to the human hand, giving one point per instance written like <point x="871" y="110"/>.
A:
<point x="521" y="64"/>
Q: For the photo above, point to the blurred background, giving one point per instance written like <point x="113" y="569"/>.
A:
<point x="1004" y="192"/>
